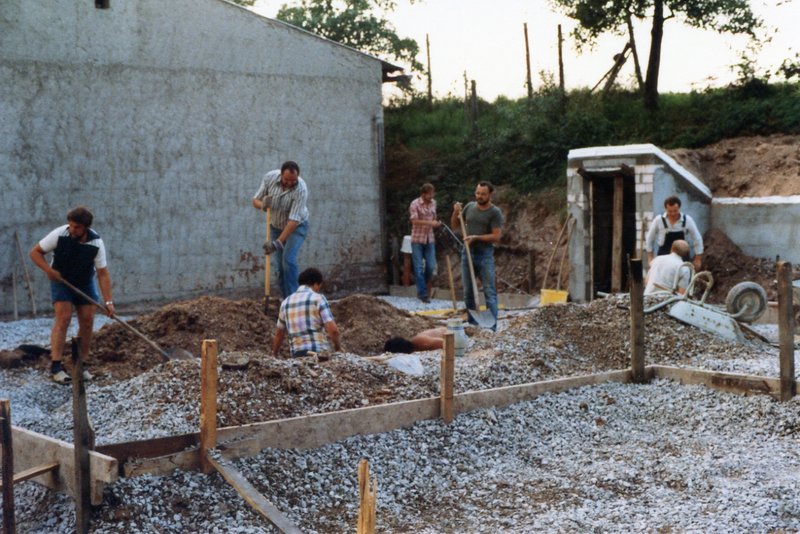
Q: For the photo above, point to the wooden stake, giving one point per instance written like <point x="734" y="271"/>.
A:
<point x="616" y="240"/>
<point x="786" y="329"/>
<point x="83" y="439"/>
<point x="208" y="401"/>
<point x="528" y="62"/>
<point x="531" y="270"/>
<point x="447" y="377"/>
<point x="367" y="493"/>
<point x="9" y="523"/>
<point x="637" y="320"/>
<point x="25" y="272"/>
<point x="450" y="280"/>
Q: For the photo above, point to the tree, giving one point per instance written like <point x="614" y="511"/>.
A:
<point x="360" y="24"/>
<point x="596" y="17"/>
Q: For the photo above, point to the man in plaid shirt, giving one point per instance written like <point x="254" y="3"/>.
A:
<point x="422" y="213"/>
<point x="303" y="316"/>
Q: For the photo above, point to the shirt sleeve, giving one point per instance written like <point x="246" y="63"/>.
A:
<point x="281" y="324"/>
<point x="298" y="210"/>
<point x="497" y="220"/>
<point x="263" y="189"/>
<point x="325" y="310"/>
<point x="50" y="241"/>
<point x="100" y="259"/>
<point x="413" y="211"/>
<point x="694" y="233"/>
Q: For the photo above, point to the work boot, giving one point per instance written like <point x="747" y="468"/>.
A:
<point x="61" y="377"/>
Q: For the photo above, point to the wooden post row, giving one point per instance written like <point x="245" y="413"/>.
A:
<point x="637" y="320"/>
<point x="208" y="402"/>
<point x="786" y="329"/>
<point x="447" y="376"/>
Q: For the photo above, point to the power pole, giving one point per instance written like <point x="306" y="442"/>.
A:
<point x="430" y="79"/>
<point x="528" y="61"/>
<point x="560" y="61"/>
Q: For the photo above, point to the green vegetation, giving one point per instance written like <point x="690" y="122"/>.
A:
<point x="525" y="144"/>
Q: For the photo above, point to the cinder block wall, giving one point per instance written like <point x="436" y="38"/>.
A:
<point x="162" y="117"/>
<point x="764" y="227"/>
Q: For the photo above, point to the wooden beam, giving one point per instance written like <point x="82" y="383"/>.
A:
<point x="22" y="476"/>
<point x="637" y="320"/>
<point x="786" y="329"/>
<point x="616" y="240"/>
<point x="32" y="449"/>
<point x="447" y="376"/>
<point x="83" y="439"/>
<point x="7" y="463"/>
<point x="208" y="400"/>
<point x="731" y="382"/>
<point x="366" y="499"/>
<point x="250" y="494"/>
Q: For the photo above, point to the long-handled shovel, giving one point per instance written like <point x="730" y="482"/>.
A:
<point x="267" y="266"/>
<point x="173" y="354"/>
<point x="485" y="319"/>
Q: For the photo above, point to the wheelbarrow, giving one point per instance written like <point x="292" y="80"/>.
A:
<point x="745" y="303"/>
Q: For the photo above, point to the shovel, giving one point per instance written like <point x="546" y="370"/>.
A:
<point x="267" y="266"/>
<point x="485" y="319"/>
<point x="174" y="354"/>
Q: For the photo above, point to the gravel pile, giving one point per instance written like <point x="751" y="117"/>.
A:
<point x="610" y="457"/>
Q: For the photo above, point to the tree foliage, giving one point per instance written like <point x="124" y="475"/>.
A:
<point x="360" y="24"/>
<point x="597" y="17"/>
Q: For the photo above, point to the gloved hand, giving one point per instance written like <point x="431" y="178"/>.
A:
<point x="266" y="202"/>
<point x="272" y="246"/>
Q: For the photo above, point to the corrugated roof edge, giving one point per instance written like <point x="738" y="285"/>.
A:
<point x="386" y="67"/>
<point x="638" y="150"/>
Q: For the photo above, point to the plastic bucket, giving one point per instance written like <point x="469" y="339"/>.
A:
<point x="552" y="296"/>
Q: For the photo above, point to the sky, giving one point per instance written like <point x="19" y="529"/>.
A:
<point x="489" y="44"/>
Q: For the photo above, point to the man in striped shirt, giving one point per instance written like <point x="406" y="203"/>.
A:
<point x="305" y="317"/>
<point x="286" y="193"/>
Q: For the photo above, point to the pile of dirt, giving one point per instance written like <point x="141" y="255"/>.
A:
<point x="747" y="166"/>
<point x="729" y="266"/>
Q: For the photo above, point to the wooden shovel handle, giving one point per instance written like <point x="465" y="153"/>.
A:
<point x="469" y="258"/>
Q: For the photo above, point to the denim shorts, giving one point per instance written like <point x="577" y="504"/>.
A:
<point x="60" y="292"/>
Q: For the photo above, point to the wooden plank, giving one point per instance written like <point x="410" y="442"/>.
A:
<point x="250" y="494"/>
<point x="149" y="448"/>
<point x="83" y="440"/>
<point x="731" y="382"/>
<point x="32" y="449"/>
<point x="616" y="239"/>
<point x="367" y="493"/>
<point x="447" y="377"/>
<point x="786" y="329"/>
<point x="637" y="320"/>
<point x="7" y="463"/>
<point x="208" y="400"/>
<point x="32" y="472"/>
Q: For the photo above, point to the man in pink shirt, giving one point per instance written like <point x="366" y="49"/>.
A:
<point x="423" y="243"/>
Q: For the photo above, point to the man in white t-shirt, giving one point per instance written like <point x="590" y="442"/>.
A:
<point x="661" y="275"/>
<point x="78" y="253"/>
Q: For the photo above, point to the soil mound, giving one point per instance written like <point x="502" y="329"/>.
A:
<point x="729" y="266"/>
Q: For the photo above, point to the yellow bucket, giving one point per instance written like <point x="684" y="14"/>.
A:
<point x="552" y="296"/>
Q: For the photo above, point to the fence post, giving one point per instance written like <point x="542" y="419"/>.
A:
<point x="786" y="329"/>
<point x="637" y="319"/>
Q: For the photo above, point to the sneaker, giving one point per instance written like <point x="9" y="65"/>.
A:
<point x="87" y="375"/>
<point x="426" y="300"/>
<point x="61" y="377"/>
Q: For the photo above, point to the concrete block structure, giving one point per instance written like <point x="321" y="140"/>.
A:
<point x="648" y="177"/>
<point x="162" y="118"/>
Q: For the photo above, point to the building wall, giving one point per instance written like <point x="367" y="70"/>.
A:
<point x="162" y="117"/>
<point x="763" y="227"/>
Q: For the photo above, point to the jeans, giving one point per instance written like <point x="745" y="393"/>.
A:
<point x="423" y="256"/>
<point x="288" y="270"/>
<point x="483" y="262"/>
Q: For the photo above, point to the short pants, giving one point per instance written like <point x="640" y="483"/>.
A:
<point x="60" y="292"/>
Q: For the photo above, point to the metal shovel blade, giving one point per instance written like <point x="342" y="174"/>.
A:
<point x="707" y="319"/>
<point x="485" y="319"/>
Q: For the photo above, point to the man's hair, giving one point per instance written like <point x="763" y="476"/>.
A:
<point x="487" y="184"/>
<point x="81" y="215"/>
<point x="426" y="188"/>
<point x="309" y="277"/>
<point x="398" y="344"/>
<point x="291" y="165"/>
<point x="671" y="201"/>
<point x="680" y="247"/>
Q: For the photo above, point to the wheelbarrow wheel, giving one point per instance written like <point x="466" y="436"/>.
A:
<point x="750" y="295"/>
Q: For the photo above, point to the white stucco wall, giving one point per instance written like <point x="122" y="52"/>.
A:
<point x="162" y="117"/>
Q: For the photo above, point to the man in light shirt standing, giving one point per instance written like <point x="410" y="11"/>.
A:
<point x="672" y="226"/>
